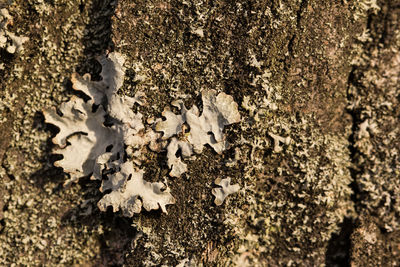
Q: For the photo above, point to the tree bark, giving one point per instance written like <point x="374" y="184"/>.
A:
<point x="315" y="153"/>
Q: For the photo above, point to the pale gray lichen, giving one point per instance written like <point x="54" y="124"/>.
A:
<point x="218" y="111"/>
<point x="127" y="186"/>
<point x="224" y="190"/>
<point x="278" y="140"/>
<point x="84" y="130"/>
<point x="177" y="166"/>
<point x="8" y="40"/>
<point x="90" y="147"/>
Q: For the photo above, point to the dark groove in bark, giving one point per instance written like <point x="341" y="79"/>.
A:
<point x="338" y="252"/>
<point x="339" y="248"/>
<point x="303" y="4"/>
<point x="355" y="169"/>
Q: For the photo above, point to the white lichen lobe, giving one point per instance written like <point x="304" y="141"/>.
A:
<point x="278" y="140"/>
<point x="224" y="190"/>
<point x="177" y="166"/>
<point x="85" y="132"/>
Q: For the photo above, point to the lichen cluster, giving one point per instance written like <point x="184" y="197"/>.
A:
<point x="93" y="136"/>
<point x="205" y="129"/>
<point x="94" y="148"/>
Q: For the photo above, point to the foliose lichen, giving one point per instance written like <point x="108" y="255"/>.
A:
<point x="103" y="138"/>
<point x="224" y="190"/>
<point x="93" y="135"/>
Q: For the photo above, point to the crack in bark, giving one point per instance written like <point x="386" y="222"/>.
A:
<point x="290" y="44"/>
<point x="303" y="4"/>
<point x="355" y="168"/>
<point x="342" y="240"/>
<point x="349" y="225"/>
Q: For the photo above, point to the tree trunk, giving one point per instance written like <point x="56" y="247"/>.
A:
<point x="316" y="153"/>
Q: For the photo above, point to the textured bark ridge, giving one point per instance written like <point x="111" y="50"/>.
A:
<point x="317" y="143"/>
<point x="374" y="94"/>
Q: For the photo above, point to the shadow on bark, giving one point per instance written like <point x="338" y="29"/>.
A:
<point x="117" y="232"/>
<point x="338" y="252"/>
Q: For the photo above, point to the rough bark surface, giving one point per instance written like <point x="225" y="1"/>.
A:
<point x="374" y="94"/>
<point x="323" y="73"/>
